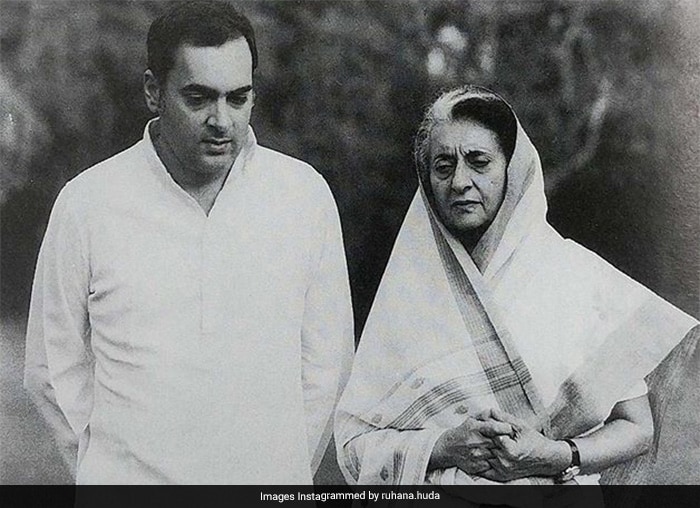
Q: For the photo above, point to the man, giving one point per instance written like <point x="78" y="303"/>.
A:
<point x="191" y="315"/>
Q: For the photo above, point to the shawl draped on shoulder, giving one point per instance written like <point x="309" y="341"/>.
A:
<point x="450" y="334"/>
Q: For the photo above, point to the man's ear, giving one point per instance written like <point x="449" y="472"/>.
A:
<point x="151" y="91"/>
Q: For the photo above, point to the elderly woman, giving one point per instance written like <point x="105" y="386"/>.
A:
<point x="497" y="351"/>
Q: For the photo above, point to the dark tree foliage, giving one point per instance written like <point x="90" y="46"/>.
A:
<point x="605" y="88"/>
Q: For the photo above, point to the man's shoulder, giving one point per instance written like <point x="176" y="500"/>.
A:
<point x="286" y="166"/>
<point x="114" y="178"/>
<point x="115" y="168"/>
<point x="299" y="180"/>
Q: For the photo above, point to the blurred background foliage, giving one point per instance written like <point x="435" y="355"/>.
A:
<point x="605" y="88"/>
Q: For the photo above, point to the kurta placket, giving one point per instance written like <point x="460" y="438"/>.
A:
<point x="223" y="219"/>
<point x="206" y="237"/>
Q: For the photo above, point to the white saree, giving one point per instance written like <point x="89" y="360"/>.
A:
<point x="530" y="322"/>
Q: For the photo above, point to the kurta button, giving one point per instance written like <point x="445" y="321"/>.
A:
<point x="384" y="474"/>
<point x="376" y="419"/>
<point x="417" y="383"/>
<point x="461" y="409"/>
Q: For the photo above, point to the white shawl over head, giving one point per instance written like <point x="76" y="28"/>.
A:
<point x="529" y="322"/>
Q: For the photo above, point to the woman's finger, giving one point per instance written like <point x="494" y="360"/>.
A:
<point x="476" y="467"/>
<point x="502" y="442"/>
<point x="481" y="453"/>
<point x="502" y="416"/>
<point x="483" y="415"/>
<point x="500" y="456"/>
<point x="492" y="428"/>
<point x="492" y="474"/>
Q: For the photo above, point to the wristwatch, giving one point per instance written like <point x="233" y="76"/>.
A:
<point x="575" y="466"/>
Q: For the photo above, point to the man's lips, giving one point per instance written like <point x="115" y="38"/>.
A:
<point x="217" y="145"/>
<point x="217" y="141"/>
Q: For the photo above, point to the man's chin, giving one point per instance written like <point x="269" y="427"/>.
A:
<point x="215" y="164"/>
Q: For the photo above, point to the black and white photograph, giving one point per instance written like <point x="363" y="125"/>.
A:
<point x="352" y="243"/>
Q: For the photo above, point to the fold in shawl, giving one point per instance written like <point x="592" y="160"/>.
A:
<point x="438" y="343"/>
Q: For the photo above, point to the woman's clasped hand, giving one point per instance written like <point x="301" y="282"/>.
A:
<point x="501" y="447"/>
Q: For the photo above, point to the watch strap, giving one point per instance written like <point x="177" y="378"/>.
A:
<point x="575" y="455"/>
<point x="574" y="468"/>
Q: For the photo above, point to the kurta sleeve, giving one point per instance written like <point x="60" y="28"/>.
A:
<point x="58" y="363"/>
<point x="327" y="332"/>
<point x="369" y="455"/>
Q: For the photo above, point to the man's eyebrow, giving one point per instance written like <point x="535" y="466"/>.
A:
<point x="241" y="90"/>
<point x="205" y="90"/>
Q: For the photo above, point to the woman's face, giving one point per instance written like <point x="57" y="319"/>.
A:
<point x="467" y="174"/>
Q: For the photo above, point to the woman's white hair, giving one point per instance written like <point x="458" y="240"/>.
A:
<point x="466" y="102"/>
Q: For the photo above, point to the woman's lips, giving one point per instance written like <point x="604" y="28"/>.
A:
<point x="465" y="205"/>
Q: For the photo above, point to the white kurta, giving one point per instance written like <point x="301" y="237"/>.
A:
<point x="186" y="348"/>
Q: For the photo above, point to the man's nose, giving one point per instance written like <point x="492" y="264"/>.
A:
<point x="462" y="178"/>
<point x="220" y="115"/>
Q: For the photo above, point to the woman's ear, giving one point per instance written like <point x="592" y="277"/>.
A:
<point x="152" y="91"/>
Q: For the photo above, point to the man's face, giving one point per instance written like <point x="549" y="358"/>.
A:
<point x="204" y="107"/>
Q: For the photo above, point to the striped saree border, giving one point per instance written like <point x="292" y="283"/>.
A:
<point x="448" y="394"/>
<point x="496" y="352"/>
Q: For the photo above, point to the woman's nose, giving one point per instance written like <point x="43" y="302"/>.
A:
<point x="462" y="178"/>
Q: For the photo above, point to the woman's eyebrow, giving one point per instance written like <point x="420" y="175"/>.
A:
<point x="443" y="155"/>
<point x="473" y="151"/>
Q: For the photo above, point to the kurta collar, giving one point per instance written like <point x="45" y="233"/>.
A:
<point x="239" y="168"/>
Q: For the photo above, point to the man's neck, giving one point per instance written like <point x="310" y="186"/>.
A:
<point x="203" y="187"/>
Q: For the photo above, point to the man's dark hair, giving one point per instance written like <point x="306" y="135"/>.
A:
<point x="200" y="23"/>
